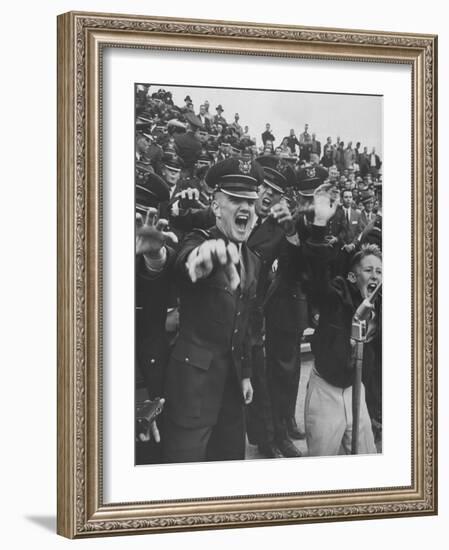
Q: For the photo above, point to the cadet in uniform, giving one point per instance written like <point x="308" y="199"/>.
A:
<point x="208" y="376"/>
<point x="153" y="259"/>
<point x="274" y="225"/>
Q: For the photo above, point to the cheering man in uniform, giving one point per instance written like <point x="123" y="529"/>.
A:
<point x="208" y="375"/>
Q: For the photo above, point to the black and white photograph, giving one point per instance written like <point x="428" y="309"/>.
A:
<point x="258" y="274"/>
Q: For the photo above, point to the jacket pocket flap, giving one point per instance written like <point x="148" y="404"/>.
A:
<point x="191" y="354"/>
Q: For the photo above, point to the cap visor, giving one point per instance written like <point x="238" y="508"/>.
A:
<point x="240" y="194"/>
<point x="273" y="186"/>
<point x="307" y="192"/>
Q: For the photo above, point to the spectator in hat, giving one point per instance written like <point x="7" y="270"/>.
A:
<point x="367" y="216"/>
<point x="268" y="136"/>
<point x="219" y="118"/>
<point x="208" y="375"/>
<point x="169" y="99"/>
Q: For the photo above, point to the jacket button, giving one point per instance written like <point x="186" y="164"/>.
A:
<point x="238" y="313"/>
<point x="187" y="359"/>
<point x="236" y="330"/>
<point x="153" y="361"/>
<point x="233" y="348"/>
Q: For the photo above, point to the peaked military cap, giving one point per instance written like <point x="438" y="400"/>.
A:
<point x="238" y="177"/>
<point x="277" y="174"/>
<point x="172" y="161"/>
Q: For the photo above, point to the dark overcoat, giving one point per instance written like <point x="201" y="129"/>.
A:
<point x="213" y="342"/>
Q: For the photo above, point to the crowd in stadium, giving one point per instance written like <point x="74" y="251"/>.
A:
<point x="243" y="245"/>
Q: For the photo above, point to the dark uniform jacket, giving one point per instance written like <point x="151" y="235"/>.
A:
<point x="265" y="241"/>
<point x="152" y="296"/>
<point x="286" y="303"/>
<point x="338" y="300"/>
<point x="212" y="342"/>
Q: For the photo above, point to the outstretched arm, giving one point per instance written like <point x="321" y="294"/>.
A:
<point x="213" y="254"/>
<point x="317" y="249"/>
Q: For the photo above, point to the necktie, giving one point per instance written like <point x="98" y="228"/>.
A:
<point x="347" y="215"/>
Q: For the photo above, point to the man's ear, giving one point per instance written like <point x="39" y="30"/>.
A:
<point x="215" y="207"/>
<point x="352" y="277"/>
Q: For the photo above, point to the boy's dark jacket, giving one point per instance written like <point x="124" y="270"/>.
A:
<point x="338" y="300"/>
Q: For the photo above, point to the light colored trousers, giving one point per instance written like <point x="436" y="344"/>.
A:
<point x="328" y="419"/>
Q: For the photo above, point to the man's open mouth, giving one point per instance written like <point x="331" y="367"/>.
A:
<point x="241" y="221"/>
<point x="266" y="202"/>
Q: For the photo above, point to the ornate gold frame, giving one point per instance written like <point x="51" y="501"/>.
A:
<point x="81" y="37"/>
